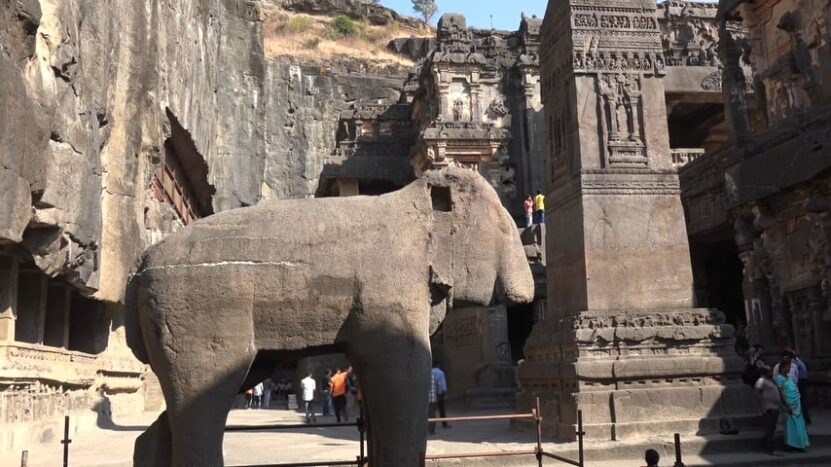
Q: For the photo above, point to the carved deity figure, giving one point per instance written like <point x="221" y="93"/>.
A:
<point x="622" y="94"/>
<point x="458" y="109"/>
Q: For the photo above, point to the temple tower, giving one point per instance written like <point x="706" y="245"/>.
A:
<point x="621" y="339"/>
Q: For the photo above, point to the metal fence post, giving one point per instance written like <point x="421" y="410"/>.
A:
<point x="538" y="422"/>
<point x="362" y="458"/>
<point x="580" y="434"/>
<point x="66" y="441"/>
<point x="678" y="461"/>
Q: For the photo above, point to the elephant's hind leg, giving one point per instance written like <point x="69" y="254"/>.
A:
<point x="153" y="447"/>
<point x="203" y="397"/>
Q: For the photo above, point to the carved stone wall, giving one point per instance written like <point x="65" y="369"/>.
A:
<point x="770" y="189"/>
<point x="620" y="331"/>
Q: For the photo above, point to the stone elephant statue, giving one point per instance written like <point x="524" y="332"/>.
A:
<point x="371" y="277"/>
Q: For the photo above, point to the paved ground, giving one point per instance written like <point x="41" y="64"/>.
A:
<point x="113" y="447"/>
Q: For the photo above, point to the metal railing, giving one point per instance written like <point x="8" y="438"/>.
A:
<point x="360" y="461"/>
<point x="537" y="452"/>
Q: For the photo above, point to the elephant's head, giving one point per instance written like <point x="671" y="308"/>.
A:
<point x="476" y="253"/>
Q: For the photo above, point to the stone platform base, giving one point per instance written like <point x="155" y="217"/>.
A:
<point x="636" y="374"/>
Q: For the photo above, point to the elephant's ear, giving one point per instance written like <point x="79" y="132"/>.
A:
<point x="441" y="255"/>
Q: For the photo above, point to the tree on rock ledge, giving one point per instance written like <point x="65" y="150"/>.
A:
<point x="427" y="8"/>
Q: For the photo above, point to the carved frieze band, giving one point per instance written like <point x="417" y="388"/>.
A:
<point x="613" y="184"/>
<point x="617" y="61"/>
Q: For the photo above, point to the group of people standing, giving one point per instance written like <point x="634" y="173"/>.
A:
<point x="534" y="209"/>
<point x="780" y="390"/>
<point x="335" y="386"/>
<point x="261" y="395"/>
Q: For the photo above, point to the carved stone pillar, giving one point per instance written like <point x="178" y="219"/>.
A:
<point x="622" y="340"/>
<point x="8" y="297"/>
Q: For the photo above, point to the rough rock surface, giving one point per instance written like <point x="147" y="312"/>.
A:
<point x="86" y="94"/>
<point x="296" y="278"/>
<point x="304" y="106"/>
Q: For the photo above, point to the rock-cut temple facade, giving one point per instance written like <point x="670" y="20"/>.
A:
<point x="683" y="149"/>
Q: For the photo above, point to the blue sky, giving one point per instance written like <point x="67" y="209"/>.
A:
<point x="506" y="13"/>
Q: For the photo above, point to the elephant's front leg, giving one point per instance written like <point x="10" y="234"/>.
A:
<point x="394" y="370"/>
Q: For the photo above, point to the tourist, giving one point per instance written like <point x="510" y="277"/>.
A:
<point x="528" y="209"/>
<point x="754" y="365"/>
<point x="539" y="208"/>
<point x="307" y="388"/>
<point x="258" y="395"/>
<point x="651" y="457"/>
<point x="769" y="400"/>
<point x="249" y="397"/>
<point x="337" y="388"/>
<point x="268" y="391"/>
<point x="441" y="391"/>
<point x="326" y="399"/>
<point x="432" y="401"/>
<point x="799" y="374"/>
<point x="796" y="433"/>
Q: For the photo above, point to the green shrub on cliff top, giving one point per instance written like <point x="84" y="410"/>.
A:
<point x="298" y="24"/>
<point x="340" y="27"/>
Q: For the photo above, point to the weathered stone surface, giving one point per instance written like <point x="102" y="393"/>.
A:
<point x="89" y="93"/>
<point x="768" y="194"/>
<point x="295" y="278"/>
<point x="305" y="105"/>
<point x="621" y="335"/>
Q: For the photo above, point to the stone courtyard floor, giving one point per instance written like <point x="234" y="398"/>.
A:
<point x="112" y="447"/>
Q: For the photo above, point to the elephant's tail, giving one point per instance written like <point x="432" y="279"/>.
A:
<point x="132" y="324"/>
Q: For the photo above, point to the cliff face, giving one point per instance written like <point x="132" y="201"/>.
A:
<point x="304" y="105"/>
<point x="89" y="94"/>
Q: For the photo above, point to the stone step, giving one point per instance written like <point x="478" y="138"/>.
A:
<point x="489" y="399"/>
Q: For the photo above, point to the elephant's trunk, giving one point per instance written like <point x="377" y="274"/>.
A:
<point x="514" y="273"/>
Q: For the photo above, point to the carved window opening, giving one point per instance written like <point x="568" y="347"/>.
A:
<point x="88" y="326"/>
<point x="181" y="181"/>
<point x="441" y="198"/>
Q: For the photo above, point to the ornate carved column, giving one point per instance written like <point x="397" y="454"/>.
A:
<point x="622" y="340"/>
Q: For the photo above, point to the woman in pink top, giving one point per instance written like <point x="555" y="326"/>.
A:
<point x="528" y="207"/>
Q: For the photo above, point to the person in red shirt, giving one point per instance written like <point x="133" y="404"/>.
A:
<point x="528" y="208"/>
<point x="337" y="388"/>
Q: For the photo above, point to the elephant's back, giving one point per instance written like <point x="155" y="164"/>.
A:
<point x="330" y="232"/>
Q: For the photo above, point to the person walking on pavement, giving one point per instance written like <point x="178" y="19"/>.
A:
<point x="528" y="209"/>
<point x="539" y="208"/>
<point x="307" y="388"/>
<point x="441" y="391"/>
<point x="258" y="395"/>
<point x="769" y="400"/>
<point x="268" y="391"/>
<point x="432" y="400"/>
<point x="326" y="399"/>
<point x="337" y="388"/>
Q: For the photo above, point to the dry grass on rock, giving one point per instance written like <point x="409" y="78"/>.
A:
<point x="316" y="39"/>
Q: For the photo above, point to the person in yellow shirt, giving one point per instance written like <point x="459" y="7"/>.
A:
<point x="539" y="208"/>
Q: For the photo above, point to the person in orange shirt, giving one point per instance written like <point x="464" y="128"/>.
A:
<point x="337" y="388"/>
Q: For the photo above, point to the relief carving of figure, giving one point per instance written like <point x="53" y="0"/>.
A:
<point x="458" y="109"/>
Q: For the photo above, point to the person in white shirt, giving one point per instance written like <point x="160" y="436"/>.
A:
<point x="258" y="395"/>
<point x="307" y="387"/>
